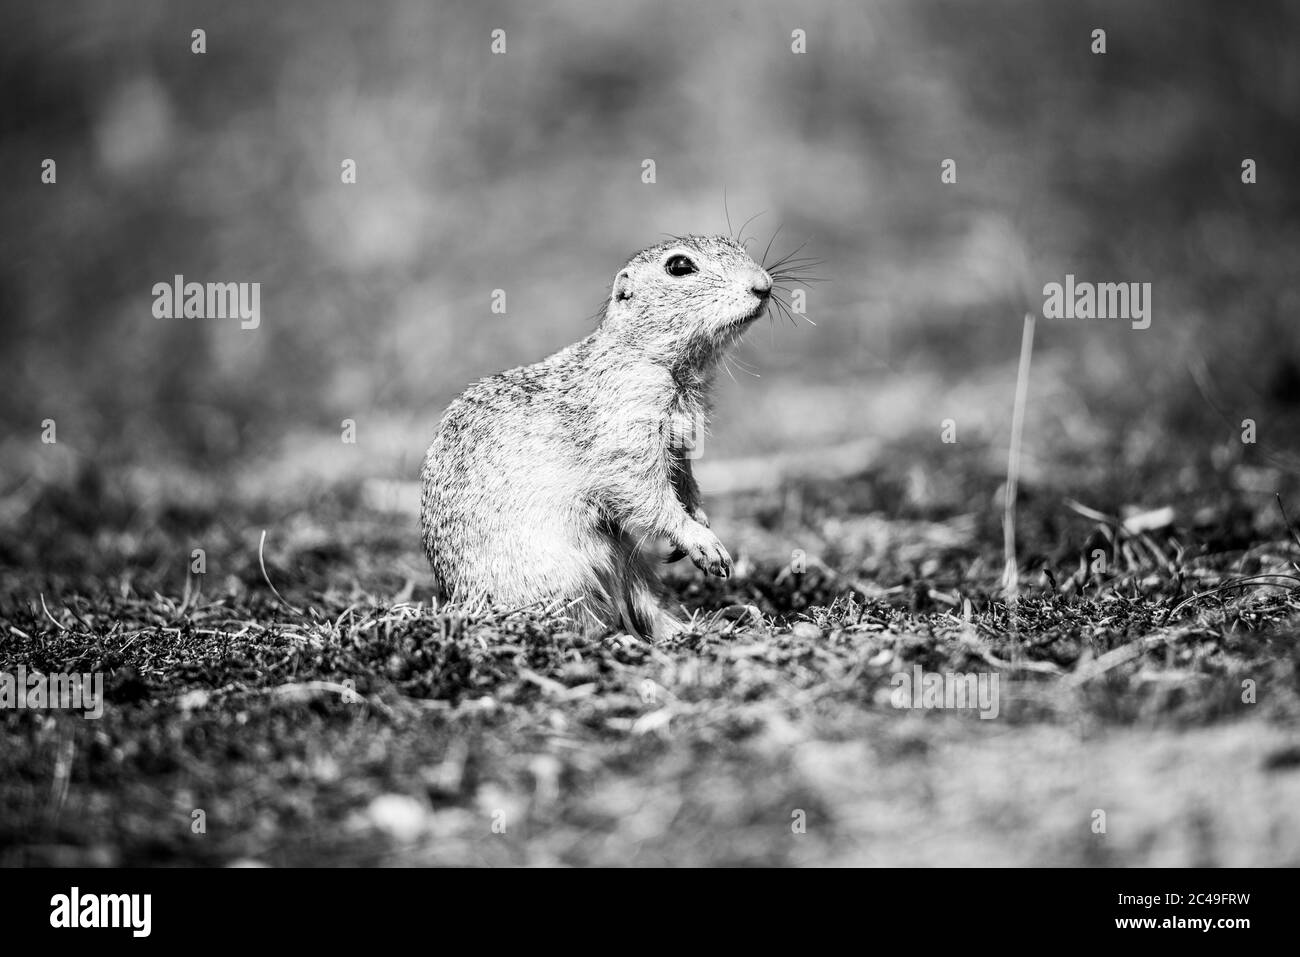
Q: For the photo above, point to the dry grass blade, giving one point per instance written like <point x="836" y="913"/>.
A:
<point x="261" y="562"/>
<point x="1248" y="581"/>
<point x="1011" y="571"/>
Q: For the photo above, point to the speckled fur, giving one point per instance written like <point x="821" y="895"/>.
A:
<point x="545" y="483"/>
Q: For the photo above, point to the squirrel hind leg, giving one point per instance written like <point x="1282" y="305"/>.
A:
<point x="617" y="586"/>
<point x="615" y="604"/>
<point x="646" y="616"/>
<point x="631" y="597"/>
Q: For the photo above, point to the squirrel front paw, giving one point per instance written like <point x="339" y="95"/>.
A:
<point x="708" y="554"/>
<point x="679" y="552"/>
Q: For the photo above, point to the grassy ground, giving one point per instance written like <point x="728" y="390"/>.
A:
<point x="766" y="735"/>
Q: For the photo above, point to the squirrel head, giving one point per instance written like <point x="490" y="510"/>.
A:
<point x="683" y="301"/>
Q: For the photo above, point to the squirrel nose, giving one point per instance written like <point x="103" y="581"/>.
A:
<point x="762" y="285"/>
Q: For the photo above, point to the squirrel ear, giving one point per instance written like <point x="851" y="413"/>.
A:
<point x="622" y="286"/>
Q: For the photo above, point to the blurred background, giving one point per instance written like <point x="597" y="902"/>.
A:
<point x="523" y="172"/>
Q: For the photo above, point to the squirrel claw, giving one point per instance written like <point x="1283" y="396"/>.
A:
<point x="711" y="557"/>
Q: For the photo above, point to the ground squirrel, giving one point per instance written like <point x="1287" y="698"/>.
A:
<point x="545" y="484"/>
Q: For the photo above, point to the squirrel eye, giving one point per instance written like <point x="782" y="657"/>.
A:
<point x="680" y="266"/>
